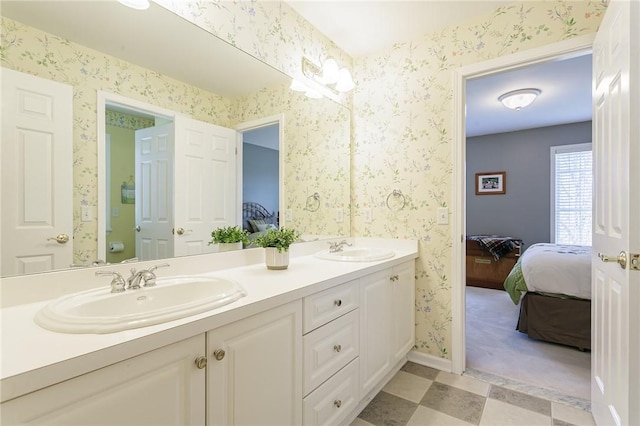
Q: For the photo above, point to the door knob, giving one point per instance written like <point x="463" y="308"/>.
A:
<point x="182" y="231"/>
<point x="621" y="259"/>
<point x="60" y="238"/>
<point x="137" y="228"/>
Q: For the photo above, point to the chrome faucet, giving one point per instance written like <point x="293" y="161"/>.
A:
<point x="335" y="247"/>
<point x="118" y="283"/>
<point x="144" y="276"/>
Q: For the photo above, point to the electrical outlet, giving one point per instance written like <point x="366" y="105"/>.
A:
<point x="443" y="216"/>
<point x="288" y="216"/>
<point x="368" y="215"/>
<point x="339" y="215"/>
<point x="87" y="214"/>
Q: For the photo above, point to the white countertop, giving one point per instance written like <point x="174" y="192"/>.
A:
<point x="33" y="357"/>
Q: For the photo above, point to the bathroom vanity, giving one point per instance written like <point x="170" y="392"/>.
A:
<point x="310" y="345"/>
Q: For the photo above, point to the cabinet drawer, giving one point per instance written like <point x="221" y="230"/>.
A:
<point x="325" y="306"/>
<point x="334" y="400"/>
<point x="329" y="348"/>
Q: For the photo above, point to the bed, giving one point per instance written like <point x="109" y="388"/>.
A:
<point x="552" y="283"/>
<point x="257" y="220"/>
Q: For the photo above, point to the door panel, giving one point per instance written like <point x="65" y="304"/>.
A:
<point x="205" y="179"/>
<point x="37" y="145"/>
<point x="615" y="384"/>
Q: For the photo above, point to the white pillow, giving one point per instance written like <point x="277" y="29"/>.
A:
<point x="265" y="226"/>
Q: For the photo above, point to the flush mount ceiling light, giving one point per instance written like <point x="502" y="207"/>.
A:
<point x="136" y="4"/>
<point x="519" y="99"/>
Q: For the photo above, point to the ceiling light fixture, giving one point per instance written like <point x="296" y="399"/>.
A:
<point x="136" y="4"/>
<point x="518" y="99"/>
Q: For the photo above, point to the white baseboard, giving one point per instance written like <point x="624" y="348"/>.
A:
<point x="430" y="361"/>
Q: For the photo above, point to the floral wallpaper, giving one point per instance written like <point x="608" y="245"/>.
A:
<point x="317" y="156"/>
<point x="127" y="121"/>
<point x="402" y="137"/>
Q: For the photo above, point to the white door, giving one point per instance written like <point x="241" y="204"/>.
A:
<point x="205" y="183"/>
<point x="615" y="369"/>
<point x="154" y="192"/>
<point x="37" y="150"/>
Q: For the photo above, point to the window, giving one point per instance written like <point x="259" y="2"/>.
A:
<point x="571" y="194"/>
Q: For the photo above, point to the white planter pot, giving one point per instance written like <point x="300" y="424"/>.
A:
<point x="276" y="259"/>
<point x="229" y="246"/>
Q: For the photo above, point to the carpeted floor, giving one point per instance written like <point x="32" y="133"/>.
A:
<point x="494" y="346"/>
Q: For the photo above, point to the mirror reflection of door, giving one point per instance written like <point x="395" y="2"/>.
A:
<point x="138" y="186"/>
<point x="260" y="166"/>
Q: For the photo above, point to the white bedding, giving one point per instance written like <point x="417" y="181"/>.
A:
<point x="554" y="268"/>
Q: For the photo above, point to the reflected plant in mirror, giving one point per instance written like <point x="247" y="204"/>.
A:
<point x="46" y="40"/>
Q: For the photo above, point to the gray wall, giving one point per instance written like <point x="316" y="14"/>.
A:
<point x="260" y="176"/>
<point x="524" y="211"/>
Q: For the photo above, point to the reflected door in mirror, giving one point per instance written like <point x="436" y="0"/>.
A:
<point x="37" y="219"/>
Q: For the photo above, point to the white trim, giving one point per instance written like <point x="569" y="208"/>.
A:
<point x="573" y="47"/>
<point x="252" y="125"/>
<point x="104" y="99"/>
<point x="430" y="361"/>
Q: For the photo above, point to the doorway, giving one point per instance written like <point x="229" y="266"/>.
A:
<point x="554" y="52"/>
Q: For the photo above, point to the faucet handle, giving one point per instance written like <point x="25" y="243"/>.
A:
<point x="149" y="278"/>
<point x="118" y="283"/>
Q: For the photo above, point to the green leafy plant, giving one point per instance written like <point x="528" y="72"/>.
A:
<point x="279" y="238"/>
<point x="229" y="234"/>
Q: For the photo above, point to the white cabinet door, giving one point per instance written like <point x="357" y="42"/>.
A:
<point x="162" y="387"/>
<point x="257" y="379"/>
<point x="403" y="310"/>
<point x="387" y="325"/>
<point x="375" y="329"/>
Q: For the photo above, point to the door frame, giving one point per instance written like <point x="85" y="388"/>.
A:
<point x="252" y="125"/>
<point x="573" y="47"/>
<point x="112" y="99"/>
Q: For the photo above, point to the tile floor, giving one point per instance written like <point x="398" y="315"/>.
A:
<point x="419" y="395"/>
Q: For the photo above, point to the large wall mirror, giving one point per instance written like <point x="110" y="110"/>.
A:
<point x="158" y="59"/>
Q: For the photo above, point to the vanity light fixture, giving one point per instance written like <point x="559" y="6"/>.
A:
<point x="329" y="75"/>
<point x="518" y="99"/>
<point x="136" y="4"/>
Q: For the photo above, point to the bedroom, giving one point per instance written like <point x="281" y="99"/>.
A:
<point x="524" y="212"/>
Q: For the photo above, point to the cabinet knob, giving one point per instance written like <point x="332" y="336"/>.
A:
<point x="337" y="403"/>
<point x="337" y="348"/>
<point x="337" y="302"/>
<point x="394" y="278"/>
<point x="201" y="362"/>
<point x="219" y="354"/>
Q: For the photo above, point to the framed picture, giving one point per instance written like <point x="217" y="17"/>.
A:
<point x="491" y="183"/>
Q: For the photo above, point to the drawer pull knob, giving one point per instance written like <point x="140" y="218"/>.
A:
<point x="201" y="362"/>
<point x="337" y="348"/>
<point x="338" y="302"/>
<point x="337" y="403"/>
<point x="219" y="354"/>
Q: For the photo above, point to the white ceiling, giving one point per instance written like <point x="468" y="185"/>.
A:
<point x="362" y="27"/>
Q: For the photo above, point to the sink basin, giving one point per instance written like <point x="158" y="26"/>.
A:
<point x="100" y="311"/>
<point x="357" y="254"/>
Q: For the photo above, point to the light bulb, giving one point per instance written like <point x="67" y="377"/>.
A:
<point x="345" y="82"/>
<point x="330" y="71"/>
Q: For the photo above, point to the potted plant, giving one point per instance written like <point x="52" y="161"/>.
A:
<point x="229" y="238"/>
<point x="276" y="243"/>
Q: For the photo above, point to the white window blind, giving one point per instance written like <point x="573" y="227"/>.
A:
<point x="571" y="194"/>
